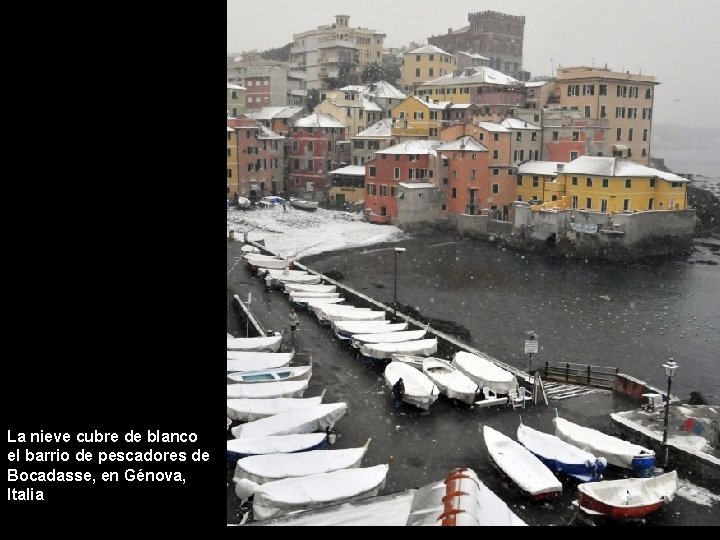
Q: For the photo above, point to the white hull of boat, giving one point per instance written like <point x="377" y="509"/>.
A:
<point x="272" y="264"/>
<point x="318" y="418"/>
<point x="380" y="351"/>
<point x="451" y="381"/>
<point x="419" y="390"/>
<point x="304" y="205"/>
<point x="297" y="287"/>
<point x="358" y="340"/>
<point x="259" y="344"/>
<point x="238" y="361"/>
<point x="249" y="410"/>
<point x="282" y="389"/>
<point x="484" y="372"/>
<point x="255" y="446"/>
<point x="295" y="373"/>
<point x="310" y="279"/>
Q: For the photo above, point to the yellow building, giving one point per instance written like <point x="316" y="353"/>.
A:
<point x="347" y="185"/>
<point x="417" y="118"/>
<point x="425" y="64"/>
<point x="624" y="99"/>
<point x="537" y="180"/>
<point x="613" y="185"/>
<point x="352" y="109"/>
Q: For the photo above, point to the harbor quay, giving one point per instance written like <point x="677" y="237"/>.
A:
<point x="423" y="447"/>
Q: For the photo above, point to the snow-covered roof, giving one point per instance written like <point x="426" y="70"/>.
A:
<point x="466" y="143"/>
<point x="370" y="105"/>
<point x="266" y="133"/>
<point x="416" y="185"/>
<point x="474" y="75"/>
<point x="360" y="89"/>
<point x="230" y="129"/>
<point x="235" y="87"/>
<point x="516" y="123"/>
<point x="428" y="49"/>
<point x="492" y="126"/>
<point x="350" y="170"/>
<point x="614" y="166"/>
<point x="384" y="89"/>
<point x="431" y="104"/>
<point x="268" y="113"/>
<point x="535" y="84"/>
<point x="319" y="120"/>
<point x="383" y="128"/>
<point x="548" y="168"/>
<point x="473" y="55"/>
<point x="413" y="147"/>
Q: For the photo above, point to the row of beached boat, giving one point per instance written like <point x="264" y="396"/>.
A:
<point x="582" y="454"/>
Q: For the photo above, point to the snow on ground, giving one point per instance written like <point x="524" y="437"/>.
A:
<point x="298" y="233"/>
<point x="696" y="494"/>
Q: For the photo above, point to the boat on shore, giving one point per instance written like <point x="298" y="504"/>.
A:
<point x="371" y="352"/>
<point x="295" y="373"/>
<point x="517" y="463"/>
<point x="238" y="361"/>
<point x="296" y="287"/>
<point x="249" y="410"/>
<point x="317" y="418"/>
<point x="484" y="372"/>
<point x="345" y="329"/>
<point x="560" y="456"/>
<point x="617" y="452"/>
<point x="629" y="498"/>
<point x="358" y="340"/>
<point x="267" y="390"/>
<point x="274" y="444"/>
<point x="259" y="344"/>
<point x="419" y="390"/>
<point x="302" y="204"/>
<point x="451" y="381"/>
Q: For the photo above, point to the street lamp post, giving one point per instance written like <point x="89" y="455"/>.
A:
<point x="397" y="250"/>
<point x="670" y="369"/>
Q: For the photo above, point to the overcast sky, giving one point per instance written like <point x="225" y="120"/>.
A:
<point x="677" y="41"/>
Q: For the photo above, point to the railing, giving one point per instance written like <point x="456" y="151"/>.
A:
<point x="601" y="376"/>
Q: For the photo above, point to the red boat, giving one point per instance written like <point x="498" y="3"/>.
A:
<point x="630" y="498"/>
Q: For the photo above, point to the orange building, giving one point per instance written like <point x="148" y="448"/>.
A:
<point x="467" y="188"/>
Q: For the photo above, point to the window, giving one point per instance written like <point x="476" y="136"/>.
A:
<point x="573" y="155"/>
<point x="496" y="172"/>
<point x="472" y="174"/>
<point x="310" y="146"/>
<point x="588" y="203"/>
<point x="518" y="136"/>
<point x="603" y="114"/>
<point x="651" y="202"/>
<point x="397" y="157"/>
<point x="603" y="206"/>
<point x="251" y="166"/>
<point x="373" y="145"/>
<point x="329" y="146"/>
<point x="588" y="182"/>
<point x="574" y="201"/>
<point x="496" y="153"/>
<point x="619" y="112"/>
<point x="573" y="90"/>
<point x="535" y="181"/>
<point x="371" y="189"/>
<point x="417" y="72"/>
<point x="618" y="134"/>
<point x="645" y="135"/>
<point x="496" y="188"/>
<point x="630" y="134"/>
<point x="454" y="193"/>
<point x="393" y="191"/>
<point x="295" y="146"/>
<point x="454" y="175"/>
<point x="534" y="136"/>
<point x="588" y="89"/>
<point x="383" y="191"/>
<point x="229" y="174"/>
<point x="519" y="198"/>
<point x="603" y="90"/>
<point x="644" y="152"/>
<point x="574" y="180"/>
<point x="519" y="180"/>
<point x="430" y="72"/>
<point x="648" y="93"/>
<point x="360" y="113"/>
<point x="417" y="57"/>
<point x="622" y="91"/>
<point x="605" y="183"/>
<point x="229" y="152"/>
<point x="433" y="132"/>
<point x="632" y="112"/>
<point x="402" y="115"/>
<point x="474" y="156"/>
<point x="310" y="165"/>
<point x="397" y="173"/>
<point x="372" y="172"/>
<point x="359" y="144"/>
<point x="626" y="204"/>
<point x="575" y="135"/>
<point x="555" y="135"/>
<point x="418" y="115"/>
<point x="519" y="155"/>
<point x="496" y="136"/>
<point x="296" y="164"/>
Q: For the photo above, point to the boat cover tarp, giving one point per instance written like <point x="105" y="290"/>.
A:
<point x="272" y="467"/>
<point x="421" y="347"/>
<point x="308" y="280"/>
<point x="419" y="390"/>
<point x="523" y="468"/>
<point x="616" y="451"/>
<point x="484" y="372"/>
<point x="633" y="492"/>
<point x="290" y="287"/>
<point x="310" y="294"/>
<point x="276" y="389"/>
<point x="250" y="446"/>
<point x="307" y="492"/>
<point x="451" y="381"/>
<point x="257" y="361"/>
<point x="355" y="316"/>
<point x="387" y="337"/>
<point x="349" y="328"/>
<point x="317" y="418"/>
<point x="266" y="343"/>
<point x="248" y="410"/>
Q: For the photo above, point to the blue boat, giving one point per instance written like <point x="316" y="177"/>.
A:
<point x="561" y="457"/>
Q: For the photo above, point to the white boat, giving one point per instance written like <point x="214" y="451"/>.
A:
<point x="358" y="340"/>
<point x="409" y="359"/>
<point x="629" y="498"/>
<point x="253" y="446"/>
<point x="263" y="261"/>
<point x="311" y="294"/>
<point x="616" y="451"/>
<point x="368" y="315"/>
<point x="380" y="351"/>
<point x="287" y="373"/>
<point x="249" y="248"/>
<point x="244" y="203"/>
<point x="311" y="279"/>
<point x="559" y="456"/>
<point x="265" y="343"/>
<point x="521" y="466"/>
<point x="286" y="272"/>
<point x="323" y="310"/>
<point x="451" y="381"/>
<point x="249" y="410"/>
<point x="293" y="287"/>
<point x="268" y="390"/>
<point x="484" y="372"/>
<point x="230" y="336"/>
<point x="348" y="328"/>
<point x="260" y="257"/>
<point x="308" y="492"/>
<point x="257" y="361"/>
<point x="314" y="302"/>
<point x="419" y="390"/>
<point x="303" y="204"/>
<point x="317" y="418"/>
<point x="458" y="500"/>
<point x="273" y="467"/>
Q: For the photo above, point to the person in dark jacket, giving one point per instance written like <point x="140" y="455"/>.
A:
<point x="398" y="393"/>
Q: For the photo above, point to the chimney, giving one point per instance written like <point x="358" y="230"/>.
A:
<point x="560" y="167"/>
